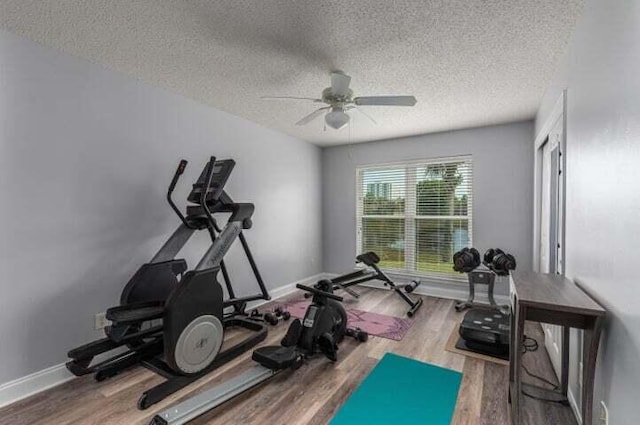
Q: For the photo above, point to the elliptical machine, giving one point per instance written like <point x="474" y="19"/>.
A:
<point x="324" y="326"/>
<point x="171" y="320"/>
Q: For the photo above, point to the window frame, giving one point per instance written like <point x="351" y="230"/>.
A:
<point x="410" y="215"/>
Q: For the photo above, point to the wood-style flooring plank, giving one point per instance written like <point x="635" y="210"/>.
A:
<point x="468" y="409"/>
<point x="495" y="407"/>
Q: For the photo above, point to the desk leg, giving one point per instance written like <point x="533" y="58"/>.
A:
<point x="564" y="367"/>
<point x="512" y="346"/>
<point x="516" y="396"/>
<point x="590" y="342"/>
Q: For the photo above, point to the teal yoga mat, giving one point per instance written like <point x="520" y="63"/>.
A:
<point x="399" y="391"/>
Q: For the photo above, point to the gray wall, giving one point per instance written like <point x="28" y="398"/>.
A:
<point x="502" y="186"/>
<point x="601" y="71"/>
<point x="86" y="155"/>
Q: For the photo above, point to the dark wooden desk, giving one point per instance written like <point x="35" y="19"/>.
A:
<point x="555" y="300"/>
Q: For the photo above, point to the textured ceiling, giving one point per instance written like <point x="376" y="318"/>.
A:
<point x="468" y="62"/>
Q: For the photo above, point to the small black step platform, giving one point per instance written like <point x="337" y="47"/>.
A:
<point x="485" y="331"/>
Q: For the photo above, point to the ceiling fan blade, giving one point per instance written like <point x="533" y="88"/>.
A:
<point x="312" y="116"/>
<point x="386" y="100"/>
<point x="289" y="98"/>
<point x="340" y="83"/>
<point x="352" y="107"/>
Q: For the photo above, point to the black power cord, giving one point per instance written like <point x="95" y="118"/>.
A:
<point x="530" y="345"/>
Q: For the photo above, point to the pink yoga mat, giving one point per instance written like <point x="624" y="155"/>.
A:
<point x="374" y="324"/>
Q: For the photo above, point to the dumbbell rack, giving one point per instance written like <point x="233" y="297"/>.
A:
<point x="480" y="276"/>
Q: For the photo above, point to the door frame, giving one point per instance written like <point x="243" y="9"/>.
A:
<point x="553" y="335"/>
<point x="559" y="111"/>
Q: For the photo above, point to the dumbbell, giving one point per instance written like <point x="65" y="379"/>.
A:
<point x="499" y="261"/>
<point x="255" y="315"/>
<point x="281" y="312"/>
<point x="357" y="333"/>
<point x="502" y="263"/>
<point x="490" y="254"/>
<point x="410" y="287"/>
<point x="466" y="260"/>
<point x="273" y="319"/>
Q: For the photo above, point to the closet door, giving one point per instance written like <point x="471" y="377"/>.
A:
<point x="551" y="219"/>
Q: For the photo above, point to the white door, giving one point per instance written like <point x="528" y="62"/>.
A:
<point x="545" y="211"/>
<point x="551" y="220"/>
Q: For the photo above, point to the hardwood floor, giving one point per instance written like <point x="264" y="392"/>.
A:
<point x="312" y="394"/>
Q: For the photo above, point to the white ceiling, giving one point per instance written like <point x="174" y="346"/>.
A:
<point x="469" y="62"/>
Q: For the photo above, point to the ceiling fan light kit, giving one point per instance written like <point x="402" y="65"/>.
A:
<point x="337" y="118"/>
<point x="340" y="99"/>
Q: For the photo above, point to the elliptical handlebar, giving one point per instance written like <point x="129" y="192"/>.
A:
<point x="319" y="292"/>
<point x="205" y="190"/>
<point x="176" y="176"/>
<point x="172" y="186"/>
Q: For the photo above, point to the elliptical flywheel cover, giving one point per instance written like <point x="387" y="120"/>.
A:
<point x="198" y="344"/>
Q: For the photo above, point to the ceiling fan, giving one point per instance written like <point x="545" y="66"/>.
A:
<point x="340" y="99"/>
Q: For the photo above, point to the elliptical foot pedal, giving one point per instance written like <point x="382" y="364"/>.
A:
<point x="136" y="312"/>
<point x="79" y="368"/>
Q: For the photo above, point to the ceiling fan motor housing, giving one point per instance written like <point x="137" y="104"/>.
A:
<point x="333" y="99"/>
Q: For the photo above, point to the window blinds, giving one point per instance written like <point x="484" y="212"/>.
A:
<point x="415" y="215"/>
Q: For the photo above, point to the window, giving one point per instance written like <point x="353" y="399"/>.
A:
<point x="416" y="215"/>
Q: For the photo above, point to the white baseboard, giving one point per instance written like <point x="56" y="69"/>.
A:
<point x="29" y="385"/>
<point x="24" y="387"/>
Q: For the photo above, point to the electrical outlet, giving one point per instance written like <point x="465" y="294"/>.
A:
<point x="604" y="414"/>
<point x="101" y="321"/>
